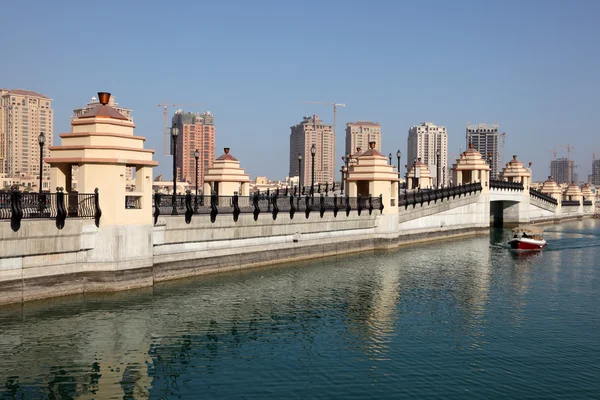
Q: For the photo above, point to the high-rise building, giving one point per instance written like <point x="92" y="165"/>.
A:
<point x="23" y="116"/>
<point x="562" y="170"/>
<point x="196" y="132"/>
<point x="308" y="132"/>
<point x="360" y="133"/>
<point x="424" y="140"/>
<point x="126" y="112"/>
<point x="595" y="173"/>
<point x="484" y="138"/>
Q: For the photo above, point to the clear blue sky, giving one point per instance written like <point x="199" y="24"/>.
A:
<point x="531" y="65"/>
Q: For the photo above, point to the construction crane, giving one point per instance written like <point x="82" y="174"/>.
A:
<point x="503" y="134"/>
<point x="569" y="147"/>
<point x="165" y="106"/>
<point x="554" y="152"/>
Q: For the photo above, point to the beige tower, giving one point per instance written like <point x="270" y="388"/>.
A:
<point x="226" y="178"/>
<point x="23" y="116"/>
<point x="470" y="168"/>
<point x="312" y="131"/>
<point x="515" y="171"/>
<point x="372" y="175"/>
<point x="102" y="143"/>
<point x="360" y="133"/>
<point x="419" y="176"/>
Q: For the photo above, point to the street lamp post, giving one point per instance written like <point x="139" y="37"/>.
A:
<point x="342" y="181"/>
<point x="196" y="156"/>
<point x="398" y="156"/>
<point x="390" y="158"/>
<point x="41" y="141"/>
<point x="174" y="134"/>
<point x="347" y="161"/>
<point x="414" y="174"/>
<point x="313" y="152"/>
<point x="300" y="182"/>
<point x="438" y="173"/>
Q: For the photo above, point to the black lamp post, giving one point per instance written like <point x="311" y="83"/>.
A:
<point x="313" y="152"/>
<point x="414" y="185"/>
<point x="174" y="134"/>
<point x="342" y="181"/>
<point x="347" y="161"/>
<point x="196" y="156"/>
<point x="438" y="172"/>
<point x="390" y="158"/>
<point x="300" y="182"/>
<point x="41" y="141"/>
<point x="398" y="156"/>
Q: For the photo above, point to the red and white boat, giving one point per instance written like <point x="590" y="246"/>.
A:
<point x="527" y="238"/>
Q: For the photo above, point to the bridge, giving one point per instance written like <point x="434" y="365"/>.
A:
<point x="106" y="238"/>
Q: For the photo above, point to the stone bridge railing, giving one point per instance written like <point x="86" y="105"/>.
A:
<point x="505" y="185"/>
<point x="427" y="196"/>
<point x="273" y="204"/>
<point x="567" y="203"/>
<point x="542" y="196"/>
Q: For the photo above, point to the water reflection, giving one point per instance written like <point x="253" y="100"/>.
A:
<point x="365" y="322"/>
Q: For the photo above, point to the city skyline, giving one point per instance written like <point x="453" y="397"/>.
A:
<point x="255" y="70"/>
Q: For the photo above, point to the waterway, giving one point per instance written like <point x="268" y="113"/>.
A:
<point x="452" y="319"/>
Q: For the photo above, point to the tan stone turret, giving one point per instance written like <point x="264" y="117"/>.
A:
<point x="551" y="188"/>
<point x="419" y="176"/>
<point x="515" y="171"/>
<point x="471" y="167"/>
<point x="586" y="192"/>
<point x="226" y="177"/>
<point x="102" y="143"/>
<point x="371" y="175"/>
<point x="573" y="193"/>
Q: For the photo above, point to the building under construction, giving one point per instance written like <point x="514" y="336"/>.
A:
<point x="595" y="173"/>
<point x="562" y="170"/>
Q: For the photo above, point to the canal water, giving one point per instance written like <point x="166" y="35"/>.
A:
<point x="462" y="318"/>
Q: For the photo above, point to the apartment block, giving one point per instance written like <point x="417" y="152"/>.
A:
<point x="196" y="132"/>
<point x="312" y="130"/>
<point x="595" y="173"/>
<point x="424" y="140"/>
<point x="484" y="138"/>
<point x="360" y="133"/>
<point x="23" y="116"/>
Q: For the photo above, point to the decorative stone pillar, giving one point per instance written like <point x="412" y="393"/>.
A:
<point x="371" y="175"/>
<point x="588" y="195"/>
<point x="226" y="177"/>
<point x="470" y="167"/>
<point x="515" y="171"/>
<point x="550" y="188"/>
<point x="419" y="176"/>
<point x="573" y="193"/>
<point x="102" y="145"/>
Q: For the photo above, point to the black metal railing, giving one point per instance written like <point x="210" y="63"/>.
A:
<point x="542" y="196"/>
<point x="59" y="206"/>
<point x="414" y="197"/>
<point x="570" y="203"/>
<point x="587" y="202"/>
<point x="506" y="185"/>
<point x="263" y="203"/>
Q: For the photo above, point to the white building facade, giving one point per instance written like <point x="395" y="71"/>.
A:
<point x="424" y="140"/>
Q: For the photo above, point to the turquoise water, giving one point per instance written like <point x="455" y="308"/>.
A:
<point x="454" y="319"/>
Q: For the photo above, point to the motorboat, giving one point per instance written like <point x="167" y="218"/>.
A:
<point x="527" y="238"/>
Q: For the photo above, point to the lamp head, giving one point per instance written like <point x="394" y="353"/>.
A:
<point x="196" y="154"/>
<point x="313" y="149"/>
<point x="174" y="131"/>
<point x="41" y="138"/>
<point x="398" y="154"/>
<point x="299" y="157"/>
